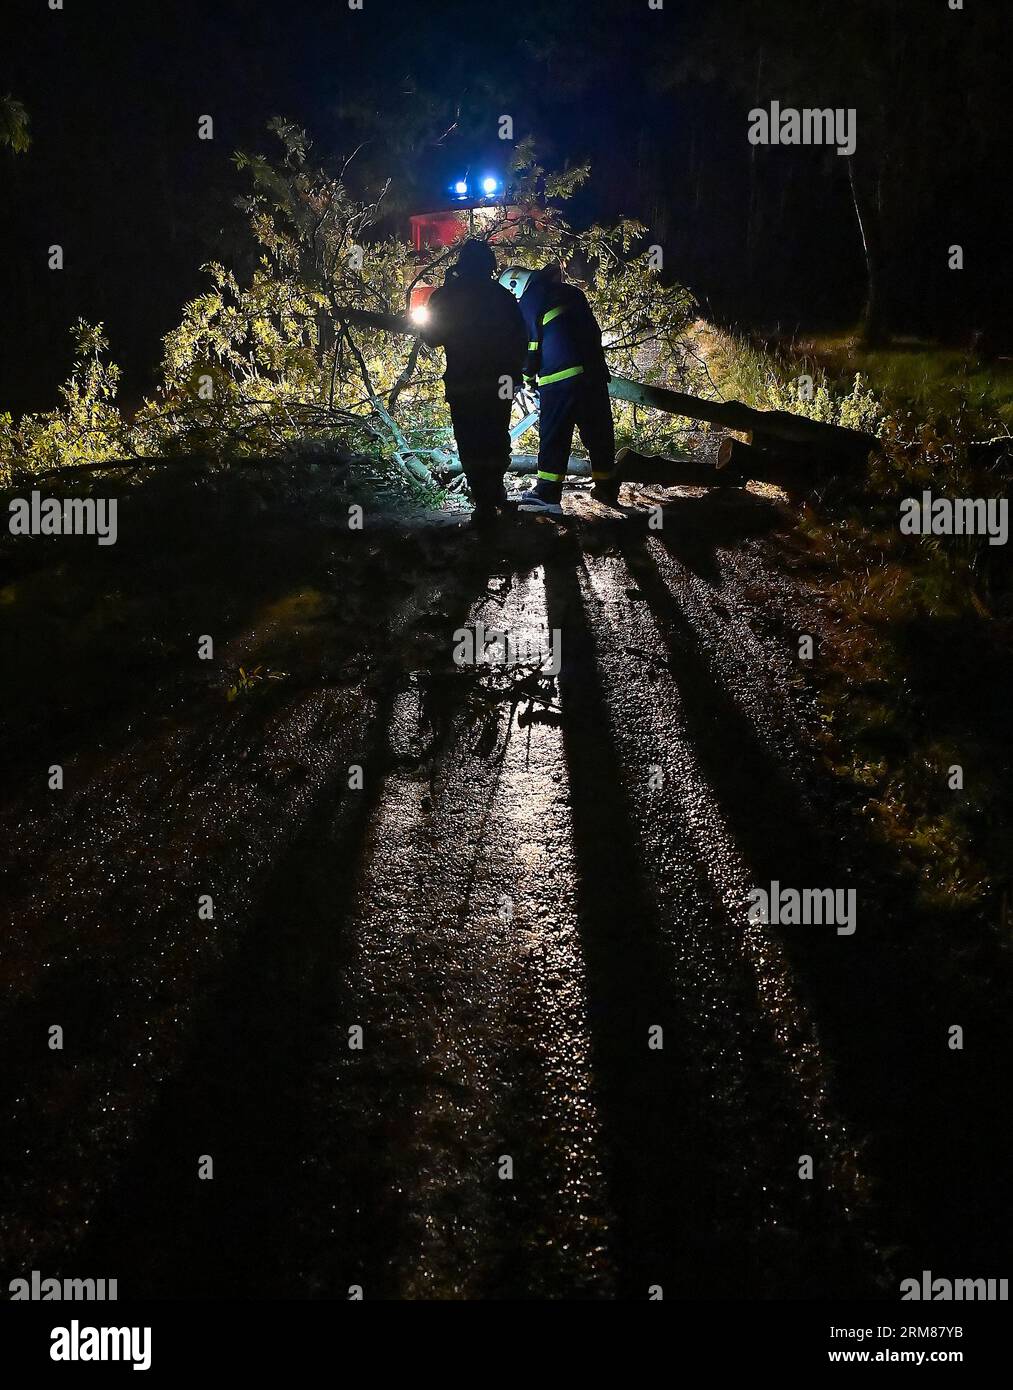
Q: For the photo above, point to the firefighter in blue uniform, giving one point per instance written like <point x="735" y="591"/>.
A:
<point x="566" y="362"/>
<point x="479" y="325"/>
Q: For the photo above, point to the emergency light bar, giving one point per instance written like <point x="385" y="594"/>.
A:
<point x="490" y="186"/>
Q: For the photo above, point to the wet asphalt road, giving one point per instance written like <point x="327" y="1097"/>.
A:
<point x="420" y="1037"/>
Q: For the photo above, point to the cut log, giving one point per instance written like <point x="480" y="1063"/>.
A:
<point x="828" y="440"/>
<point x="788" y="469"/>
<point x="674" y="472"/>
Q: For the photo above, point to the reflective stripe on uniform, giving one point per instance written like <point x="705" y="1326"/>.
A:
<point x="533" y="347"/>
<point x="603" y="477"/>
<point x="553" y="314"/>
<point x="549" y="477"/>
<point x="560" y="376"/>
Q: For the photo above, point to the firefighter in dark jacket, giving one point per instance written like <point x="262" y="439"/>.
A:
<point x="479" y="325"/>
<point x="566" y="362"/>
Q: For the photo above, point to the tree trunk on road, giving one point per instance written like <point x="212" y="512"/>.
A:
<point x="821" y="439"/>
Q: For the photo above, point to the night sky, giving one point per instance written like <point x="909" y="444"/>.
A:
<point x="117" y="175"/>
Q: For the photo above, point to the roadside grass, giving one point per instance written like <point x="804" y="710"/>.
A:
<point x="930" y="380"/>
<point x="915" y="665"/>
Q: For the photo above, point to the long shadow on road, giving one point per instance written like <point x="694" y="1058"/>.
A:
<point x="656" y="1179"/>
<point x="244" y="1093"/>
<point x="938" y="1125"/>
<point x="239" y="1097"/>
<point x="682" y="1224"/>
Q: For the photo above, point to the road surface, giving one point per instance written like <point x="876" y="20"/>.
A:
<point x="494" y="1023"/>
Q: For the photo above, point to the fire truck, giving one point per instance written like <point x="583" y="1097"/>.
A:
<point x="475" y="205"/>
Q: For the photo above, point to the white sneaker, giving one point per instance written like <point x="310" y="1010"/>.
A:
<point x="533" y="502"/>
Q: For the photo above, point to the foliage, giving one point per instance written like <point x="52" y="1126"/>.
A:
<point x="771" y="380"/>
<point x="910" y="618"/>
<point x="964" y="386"/>
<point x="86" y="428"/>
<point x="250" y="681"/>
<point x="14" y="124"/>
<point x="259" y="368"/>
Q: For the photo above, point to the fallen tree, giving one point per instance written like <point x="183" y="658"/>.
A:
<point x="767" y="428"/>
<point x="773" y="432"/>
<point x="316" y="348"/>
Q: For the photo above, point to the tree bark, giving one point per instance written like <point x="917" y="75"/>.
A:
<point x="821" y="439"/>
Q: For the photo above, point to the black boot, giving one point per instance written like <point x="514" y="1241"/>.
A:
<point x="606" y="490"/>
<point x="488" y="496"/>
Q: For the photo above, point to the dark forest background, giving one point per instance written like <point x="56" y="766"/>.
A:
<point x="657" y="101"/>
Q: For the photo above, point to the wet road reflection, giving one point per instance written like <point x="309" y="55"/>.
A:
<point x="480" y="1012"/>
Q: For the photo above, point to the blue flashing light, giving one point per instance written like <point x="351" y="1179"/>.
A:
<point x="489" y="185"/>
<point x="461" y="188"/>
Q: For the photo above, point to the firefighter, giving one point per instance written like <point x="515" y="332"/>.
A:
<point x="479" y="325"/>
<point x="566" y="363"/>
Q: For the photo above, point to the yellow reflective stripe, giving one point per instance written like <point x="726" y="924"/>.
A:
<point x="551" y="314"/>
<point x="533" y="347"/>
<point x="549" y="477"/>
<point x="602" y="477"/>
<point x="560" y="376"/>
